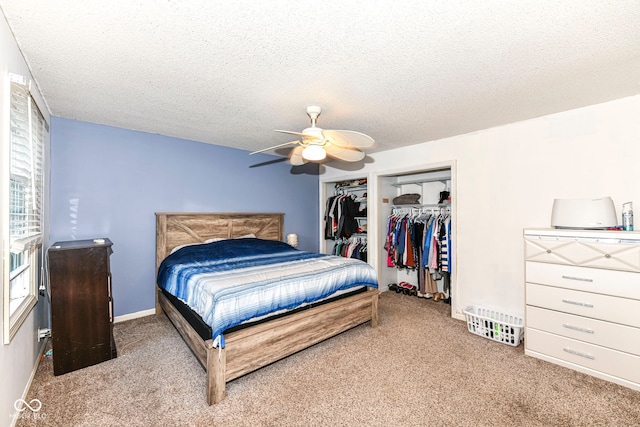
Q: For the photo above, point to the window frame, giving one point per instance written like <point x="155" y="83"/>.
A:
<point x="32" y="222"/>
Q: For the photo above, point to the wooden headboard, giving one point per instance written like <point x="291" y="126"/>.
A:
<point x="179" y="228"/>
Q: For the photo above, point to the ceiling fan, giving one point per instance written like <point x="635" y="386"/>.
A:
<point x="315" y="144"/>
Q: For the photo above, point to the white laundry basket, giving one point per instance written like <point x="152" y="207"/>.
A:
<point x="496" y="326"/>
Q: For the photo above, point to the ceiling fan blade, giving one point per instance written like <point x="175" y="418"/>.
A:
<point x="275" y="146"/>
<point x="300" y="134"/>
<point x="347" y="154"/>
<point x="348" y="138"/>
<point x="295" y="157"/>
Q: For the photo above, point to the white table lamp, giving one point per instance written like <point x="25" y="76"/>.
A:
<point x="292" y="239"/>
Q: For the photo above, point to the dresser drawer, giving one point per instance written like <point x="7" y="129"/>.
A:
<point x="596" y="306"/>
<point x="611" y="362"/>
<point x="608" y="253"/>
<point x="619" y="283"/>
<point x="585" y="329"/>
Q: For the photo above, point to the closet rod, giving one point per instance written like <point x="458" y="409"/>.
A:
<point x="433" y="205"/>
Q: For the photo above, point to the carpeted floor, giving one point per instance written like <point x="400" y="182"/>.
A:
<point x="419" y="367"/>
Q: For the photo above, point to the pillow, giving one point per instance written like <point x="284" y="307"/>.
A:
<point x="217" y="239"/>
<point x="183" y="246"/>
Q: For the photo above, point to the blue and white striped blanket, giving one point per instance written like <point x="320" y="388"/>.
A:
<point x="232" y="281"/>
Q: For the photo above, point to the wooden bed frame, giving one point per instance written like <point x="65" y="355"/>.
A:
<point x="256" y="346"/>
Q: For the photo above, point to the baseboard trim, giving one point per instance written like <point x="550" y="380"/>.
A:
<point x="136" y="315"/>
<point x="43" y="346"/>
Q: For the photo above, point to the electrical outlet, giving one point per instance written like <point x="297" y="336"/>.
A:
<point x="43" y="333"/>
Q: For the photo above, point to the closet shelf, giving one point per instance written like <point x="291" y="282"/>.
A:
<point x="442" y="176"/>
<point x="422" y="181"/>
<point x="353" y="187"/>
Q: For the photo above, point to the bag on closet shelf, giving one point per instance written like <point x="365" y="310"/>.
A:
<point x="407" y="199"/>
<point x="445" y="196"/>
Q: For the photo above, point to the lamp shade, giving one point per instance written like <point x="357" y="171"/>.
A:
<point x="292" y="240"/>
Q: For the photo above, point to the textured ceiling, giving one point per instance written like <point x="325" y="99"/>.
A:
<point x="404" y="72"/>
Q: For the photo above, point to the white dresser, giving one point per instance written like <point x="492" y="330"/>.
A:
<point x="583" y="301"/>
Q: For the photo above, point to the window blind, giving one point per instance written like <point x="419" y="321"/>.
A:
<point x="28" y="132"/>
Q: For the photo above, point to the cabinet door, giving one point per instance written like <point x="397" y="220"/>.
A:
<point x="80" y="318"/>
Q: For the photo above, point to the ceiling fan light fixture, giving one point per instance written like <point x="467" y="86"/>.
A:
<point x="314" y="153"/>
<point x="315" y="144"/>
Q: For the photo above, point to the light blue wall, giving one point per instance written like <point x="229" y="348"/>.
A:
<point x="109" y="182"/>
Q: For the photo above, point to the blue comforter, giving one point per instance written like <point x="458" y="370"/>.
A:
<point x="232" y="281"/>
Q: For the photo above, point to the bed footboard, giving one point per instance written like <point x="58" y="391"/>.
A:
<point x="254" y="347"/>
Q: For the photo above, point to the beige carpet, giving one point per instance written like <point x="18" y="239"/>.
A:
<point x="420" y="367"/>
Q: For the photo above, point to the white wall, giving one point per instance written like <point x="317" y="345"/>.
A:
<point x="18" y="359"/>
<point x="507" y="178"/>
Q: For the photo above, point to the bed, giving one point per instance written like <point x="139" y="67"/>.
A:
<point x="254" y="344"/>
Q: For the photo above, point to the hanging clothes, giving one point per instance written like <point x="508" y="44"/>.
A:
<point x="421" y="241"/>
<point x="354" y="247"/>
<point x="340" y="216"/>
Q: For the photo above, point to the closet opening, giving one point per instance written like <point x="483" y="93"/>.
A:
<point x="417" y="232"/>
<point x="345" y="219"/>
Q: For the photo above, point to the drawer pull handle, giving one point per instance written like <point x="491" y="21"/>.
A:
<point x="110" y="298"/>
<point x="578" y="353"/>
<point x="582" y="279"/>
<point x="577" y="328"/>
<point x="581" y="304"/>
